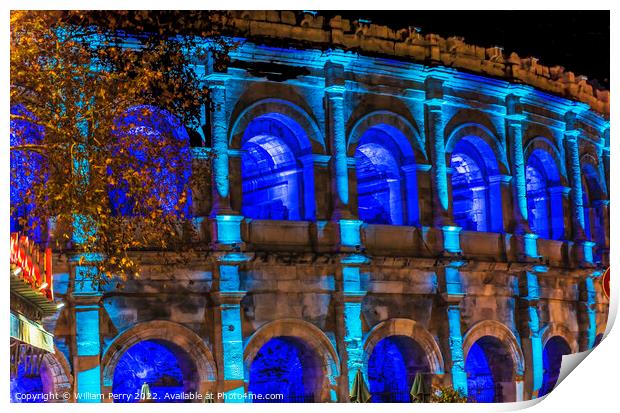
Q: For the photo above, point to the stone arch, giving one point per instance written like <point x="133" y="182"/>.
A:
<point x="136" y="127"/>
<point x="414" y="152"/>
<point x="483" y="132"/>
<point x="267" y="106"/>
<point x="546" y="145"/>
<point x="476" y="172"/>
<point x="59" y="372"/>
<point x="386" y="148"/>
<point x="192" y="345"/>
<point x="408" y="328"/>
<point x="503" y="334"/>
<point x="560" y="330"/>
<point x="312" y="336"/>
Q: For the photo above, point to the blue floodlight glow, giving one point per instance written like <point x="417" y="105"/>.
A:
<point x="28" y="388"/>
<point x="350" y="232"/>
<point x="287" y="366"/>
<point x="25" y="170"/>
<point x="530" y="245"/>
<point x="477" y="204"/>
<point x="170" y="167"/>
<point x="228" y="229"/>
<point x="451" y="239"/>
<point x="152" y="362"/>
<point x="276" y="183"/>
<point x="459" y="376"/>
<point x="555" y="348"/>
<point x="381" y="153"/>
<point x="488" y="364"/>
<point x="545" y="214"/>
<point x="591" y="312"/>
<point x="392" y="367"/>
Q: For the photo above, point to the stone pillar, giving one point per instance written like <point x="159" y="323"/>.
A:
<point x="586" y="312"/>
<point x="602" y="210"/>
<point x="452" y="294"/>
<point x="349" y="335"/>
<point x="529" y="331"/>
<point x="500" y="187"/>
<point x="228" y="334"/>
<point x="336" y="134"/>
<point x="442" y="205"/>
<point x="605" y="156"/>
<point x="85" y="302"/>
<point x="514" y="131"/>
<point x="559" y="201"/>
<point x="573" y="165"/>
<point x="219" y="142"/>
<point x="409" y="195"/>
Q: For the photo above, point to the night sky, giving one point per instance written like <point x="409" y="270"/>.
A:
<point x="577" y="40"/>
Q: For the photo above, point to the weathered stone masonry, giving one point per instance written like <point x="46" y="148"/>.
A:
<point x="338" y="283"/>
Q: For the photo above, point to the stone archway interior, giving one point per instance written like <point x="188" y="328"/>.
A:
<point x="392" y="367"/>
<point x="27" y="387"/>
<point x="275" y="183"/>
<point x="286" y="366"/>
<point x="165" y="367"/>
<point x="490" y="368"/>
<point x="555" y="348"/>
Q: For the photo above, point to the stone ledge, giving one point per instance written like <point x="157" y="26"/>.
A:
<point x="309" y="30"/>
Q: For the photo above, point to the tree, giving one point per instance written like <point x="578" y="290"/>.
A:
<point x="100" y="108"/>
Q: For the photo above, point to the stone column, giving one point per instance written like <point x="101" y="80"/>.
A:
<point x="501" y="188"/>
<point x="605" y="156"/>
<point x="586" y="315"/>
<point x="219" y="142"/>
<point x="529" y="331"/>
<point x="228" y="337"/>
<point x="559" y="201"/>
<point x="602" y="210"/>
<point x="349" y="329"/>
<point x="514" y="131"/>
<point x="442" y="205"/>
<point x="410" y="195"/>
<point x="336" y="134"/>
<point x="573" y="165"/>
<point x="452" y="294"/>
<point x="85" y="303"/>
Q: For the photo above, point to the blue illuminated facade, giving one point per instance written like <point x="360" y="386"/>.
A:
<point x="148" y="362"/>
<point x="363" y="213"/>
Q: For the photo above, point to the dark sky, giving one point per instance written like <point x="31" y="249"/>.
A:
<point x="577" y="40"/>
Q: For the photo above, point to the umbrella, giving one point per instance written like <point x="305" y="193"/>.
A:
<point x="359" y="391"/>
<point x="145" y="392"/>
<point x="420" y="393"/>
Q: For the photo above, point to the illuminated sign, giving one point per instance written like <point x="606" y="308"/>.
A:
<point x="33" y="266"/>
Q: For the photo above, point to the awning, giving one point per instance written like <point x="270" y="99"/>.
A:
<point x="29" y="332"/>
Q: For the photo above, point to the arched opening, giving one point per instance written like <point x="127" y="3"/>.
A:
<point x="555" y="348"/>
<point x="285" y="366"/>
<point x="544" y="197"/>
<point x="26" y="172"/>
<point x="157" y="160"/>
<point x="490" y="368"/>
<point x="475" y="186"/>
<point x="277" y="170"/>
<point x="392" y="367"/>
<point x="38" y="383"/>
<point x="386" y="178"/>
<point x="27" y="387"/>
<point x="164" y="366"/>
